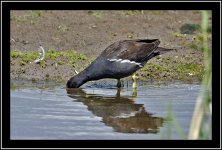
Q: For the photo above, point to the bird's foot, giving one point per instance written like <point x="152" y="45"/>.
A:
<point x="134" y="77"/>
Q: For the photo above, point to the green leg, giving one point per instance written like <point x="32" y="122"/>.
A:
<point x="134" y="77"/>
<point x="134" y="86"/>
<point x="118" y="83"/>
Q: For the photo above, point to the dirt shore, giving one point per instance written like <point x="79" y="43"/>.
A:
<point x="86" y="34"/>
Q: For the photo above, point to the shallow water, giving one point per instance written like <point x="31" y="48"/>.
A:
<point x="45" y="110"/>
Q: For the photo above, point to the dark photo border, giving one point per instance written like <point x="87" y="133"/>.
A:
<point x="5" y="87"/>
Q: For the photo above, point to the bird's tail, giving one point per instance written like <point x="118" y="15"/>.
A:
<point x="161" y="50"/>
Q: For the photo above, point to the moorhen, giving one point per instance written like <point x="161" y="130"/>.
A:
<point x="119" y="60"/>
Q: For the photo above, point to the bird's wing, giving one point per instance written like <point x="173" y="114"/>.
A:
<point x="133" y="50"/>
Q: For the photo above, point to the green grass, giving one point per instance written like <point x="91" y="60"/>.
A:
<point x="29" y="16"/>
<point x="198" y="127"/>
<point x="70" y="56"/>
<point x="43" y="64"/>
<point x="60" y="63"/>
<point x="24" y="56"/>
<point x="97" y="13"/>
<point x="52" y="54"/>
<point x="180" y="71"/>
<point x="22" y="63"/>
<point x="170" y="123"/>
<point x="82" y="56"/>
<point x="189" y="71"/>
<point x="190" y="68"/>
<point x="177" y="35"/>
<point x="152" y="71"/>
<point x="13" y="86"/>
<point x="193" y="46"/>
<point x="131" y="12"/>
<point x="196" y="43"/>
<point x="136" y="12"/>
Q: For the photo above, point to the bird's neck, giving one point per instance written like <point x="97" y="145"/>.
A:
<point x="86" y="75"/>
<point x="92" y="72"/>
<point x="81" y="78"/>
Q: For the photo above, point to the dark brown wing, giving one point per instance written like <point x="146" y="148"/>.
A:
<point x="133" y="50"/>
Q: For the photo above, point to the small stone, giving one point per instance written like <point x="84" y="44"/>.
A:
<point x="130" y="35"/>
<point x="25" y="42"/>
<point x="114" y="34"/>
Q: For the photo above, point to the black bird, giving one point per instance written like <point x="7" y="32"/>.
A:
<point x="119" y="60"/>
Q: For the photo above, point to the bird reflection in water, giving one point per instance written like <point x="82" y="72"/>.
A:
<point x="120" y="113"/>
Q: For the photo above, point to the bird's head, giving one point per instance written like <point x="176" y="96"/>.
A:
<point x="73" y="83"/>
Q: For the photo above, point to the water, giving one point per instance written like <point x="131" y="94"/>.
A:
<point x="45" y="110"/>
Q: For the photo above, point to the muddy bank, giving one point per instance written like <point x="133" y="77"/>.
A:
<point x="73" y="39"/>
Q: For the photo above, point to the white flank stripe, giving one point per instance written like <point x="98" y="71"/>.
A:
<point x="132" y="62"/>
<point x="126" y="61"/>
<point x="112" y="59"/>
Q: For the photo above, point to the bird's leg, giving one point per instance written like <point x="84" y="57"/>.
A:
<point x="134" y="77"/>
<point x="134" y="86"/>
<point x="118" y="92"/>
<point x="118" y="83"/>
